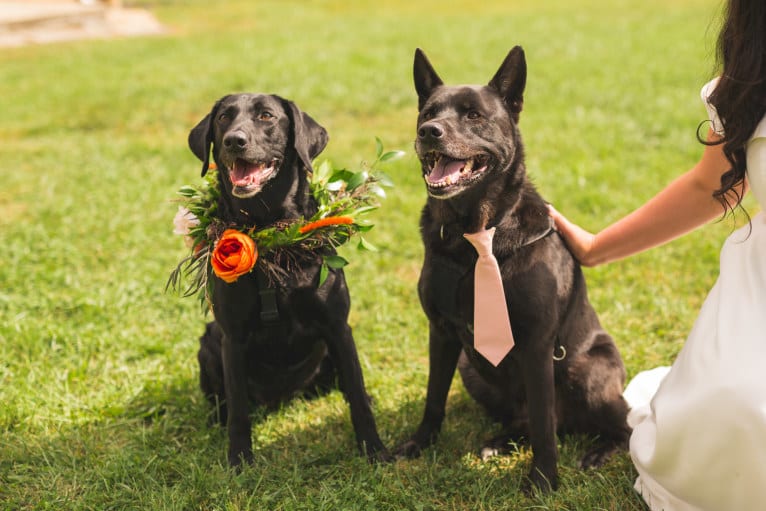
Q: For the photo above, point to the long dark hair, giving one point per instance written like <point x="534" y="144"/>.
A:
<point x="740" y="96"/>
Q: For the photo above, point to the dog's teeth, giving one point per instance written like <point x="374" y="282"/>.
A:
<point x="468" y="166"/>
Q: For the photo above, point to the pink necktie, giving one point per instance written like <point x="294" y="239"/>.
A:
<point x="492" y="336"/>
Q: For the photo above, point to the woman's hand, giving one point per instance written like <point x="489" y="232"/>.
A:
<point x="579" y="241"/>
<point x="683" y="205"/>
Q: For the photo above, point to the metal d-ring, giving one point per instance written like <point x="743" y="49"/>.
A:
<point x="562" y="356"/>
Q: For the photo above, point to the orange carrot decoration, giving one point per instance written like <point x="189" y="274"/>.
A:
<point x="324" y="222"/>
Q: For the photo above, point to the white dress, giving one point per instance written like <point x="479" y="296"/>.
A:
<point x="699" y="437"/>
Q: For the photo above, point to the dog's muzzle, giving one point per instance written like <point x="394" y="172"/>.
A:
<point x="247" y="178"/>
<point x="446" y="176"/>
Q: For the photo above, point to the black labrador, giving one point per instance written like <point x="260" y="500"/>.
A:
<point x="565" y="373"/>
<point x="270" y="342"/>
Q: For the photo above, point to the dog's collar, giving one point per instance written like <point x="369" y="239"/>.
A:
<point x="551" y="228"/>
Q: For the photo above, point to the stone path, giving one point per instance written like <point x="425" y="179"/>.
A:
<point x="24" y="22"/>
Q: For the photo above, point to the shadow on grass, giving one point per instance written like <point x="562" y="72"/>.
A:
<point x="158" y="451"/>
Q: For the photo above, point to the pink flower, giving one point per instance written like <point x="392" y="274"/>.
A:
<point x="183" y="223"/>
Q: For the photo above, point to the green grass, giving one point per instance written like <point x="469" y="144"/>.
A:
<point x="99" y="403"/>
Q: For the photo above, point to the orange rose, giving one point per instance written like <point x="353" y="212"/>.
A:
<point x="234" y="254"/>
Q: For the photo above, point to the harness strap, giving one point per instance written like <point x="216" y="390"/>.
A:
<point x="447" y="275"/>
<point x="551" y="229"/>
<point x="269" y="309"/>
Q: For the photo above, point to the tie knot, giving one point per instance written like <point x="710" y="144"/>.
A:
<point x="481" y="241"/>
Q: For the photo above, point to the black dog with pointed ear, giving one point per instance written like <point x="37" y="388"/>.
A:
<point x="268" y="342"/>
<point x="509" y="81"/>
<point x="472" y="162"/>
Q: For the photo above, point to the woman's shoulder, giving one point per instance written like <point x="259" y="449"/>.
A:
<point x="706" y="92"/>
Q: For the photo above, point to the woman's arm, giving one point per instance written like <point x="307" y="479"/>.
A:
<point x="686" y="203"/>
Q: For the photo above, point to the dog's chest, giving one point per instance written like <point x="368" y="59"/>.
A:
<point x="446" y="288"/>
<point x="446" y="284"/>
<point x="446" y="279"/>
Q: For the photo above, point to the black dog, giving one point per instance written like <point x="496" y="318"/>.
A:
<point x="270" y="342"/>
<point x="472" y="159"/>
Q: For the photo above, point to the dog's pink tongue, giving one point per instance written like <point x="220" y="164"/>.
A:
<point x="244" y="173"/>
<point x="445" y="167"/>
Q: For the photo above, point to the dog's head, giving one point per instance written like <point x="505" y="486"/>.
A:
<point x="465" y="134"/>
<point x="253" y="137"/>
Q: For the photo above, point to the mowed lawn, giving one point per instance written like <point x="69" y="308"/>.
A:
<point x="100" y="407"/>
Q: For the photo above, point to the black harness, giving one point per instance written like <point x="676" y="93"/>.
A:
<point x="272" y="323"/>
<point x="448" y="274"/>
<point x="269" y="310"/>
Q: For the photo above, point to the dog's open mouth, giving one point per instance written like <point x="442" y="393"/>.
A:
<point x="248" y="177"/>
<point x="442" y="171"/>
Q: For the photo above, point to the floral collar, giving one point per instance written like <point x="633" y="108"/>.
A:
<point x="230" y="251"/>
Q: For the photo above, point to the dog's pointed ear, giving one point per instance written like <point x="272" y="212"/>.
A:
<point x="309" y="137"/>
<point x="201" y="137"/>
<point x="510" y="80"/>
<point x="426" y="79"/>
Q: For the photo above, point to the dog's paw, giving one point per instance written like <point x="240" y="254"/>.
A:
<point x="239" y="459"/>
<point x="380" y="456"/>
<point x="598" y="455"/>
<point x="536" y="481"/>
<point x="498" y="446"/>
<point x="409" y="449"/>
<point x="488" y="452"/>
<point x="375" y="451"/>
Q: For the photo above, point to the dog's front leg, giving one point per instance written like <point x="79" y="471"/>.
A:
<point x="238" y="420"/>
<point x="442" y="362"/>
<point x="540" y="389"/>
<point x="352" y="383"/>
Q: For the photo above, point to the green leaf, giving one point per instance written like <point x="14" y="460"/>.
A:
<point x="378" y="190"/>
<point x="384" y="179"/>
<point x="392" y="156"/>
<point x="335" y="261"/>
<point x="366" y="245"/>
<point x="342" y="174"/>
<point x="363" y="210"/>
<point x="187" y="191"/>
<point x="364" y="227"/>
<point x="357" y="180"/>
<point x="323" y="171"/>
<point x="323" y="271"/>
<point x="378" y="147"/>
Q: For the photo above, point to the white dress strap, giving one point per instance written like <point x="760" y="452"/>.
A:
<point x="705" y="93"/>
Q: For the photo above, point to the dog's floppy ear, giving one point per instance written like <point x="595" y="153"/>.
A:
<point x="426" y="79"/>
<point x="309" y="137"/>
<point x="201" y="137"/>
<point x="510" y="80"/>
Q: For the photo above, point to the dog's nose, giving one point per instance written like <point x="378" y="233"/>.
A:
<point x="430" y="130"/>
<point x="235" y="140"/>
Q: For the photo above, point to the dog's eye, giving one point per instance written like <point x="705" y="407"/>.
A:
<point x="473" y="114"/>
<point x="223" y="118"/>
<point x="265" y="116"/>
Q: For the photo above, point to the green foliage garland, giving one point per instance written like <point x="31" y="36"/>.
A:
<point x="342" y="197"/>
